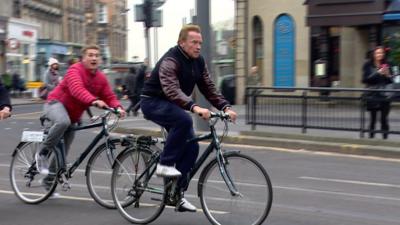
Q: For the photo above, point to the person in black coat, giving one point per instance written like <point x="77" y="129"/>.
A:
<point x="130" y="90"/>
<point x="376" y="75"/>
<point x="5" y="105"/>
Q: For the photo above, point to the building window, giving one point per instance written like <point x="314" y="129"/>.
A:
<point x="102" y="40"/>
<point x="101" y="13"/>
<point x="258" y="45"/>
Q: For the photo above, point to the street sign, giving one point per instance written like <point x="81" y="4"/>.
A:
<point x="157" y="18"/>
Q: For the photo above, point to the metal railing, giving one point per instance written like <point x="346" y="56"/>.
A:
<point x="316" y="108"/>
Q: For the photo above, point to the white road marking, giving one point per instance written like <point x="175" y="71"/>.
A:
<point x="352" y="182"/>
<point x="61" y="196"/>
<point x="91" y="200"/>
<point x="336" y="193"/>
<point x="308" y="152"/>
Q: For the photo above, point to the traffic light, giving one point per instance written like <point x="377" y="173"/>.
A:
<point x="147" y="12"/>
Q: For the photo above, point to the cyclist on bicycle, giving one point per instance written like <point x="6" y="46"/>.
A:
<point x="84" y="85"/>
<point x="166" y="98"/>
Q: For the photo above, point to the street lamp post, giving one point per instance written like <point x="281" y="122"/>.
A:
<point x="203" y="19"/>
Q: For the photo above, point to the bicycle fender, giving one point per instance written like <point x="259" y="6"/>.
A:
<point x="17" y="148"/>
<point x="120" y="154"/>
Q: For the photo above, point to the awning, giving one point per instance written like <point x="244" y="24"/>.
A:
<point x="393" y="11"/>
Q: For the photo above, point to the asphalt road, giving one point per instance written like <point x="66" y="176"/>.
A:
<point x="310" y="188"/>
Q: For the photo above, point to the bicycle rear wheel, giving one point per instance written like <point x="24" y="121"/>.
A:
<point x="252" y="182"/>
<point x="133" y="181"/>
<point x="98" y="172"/>
<point x="28" y="184"/>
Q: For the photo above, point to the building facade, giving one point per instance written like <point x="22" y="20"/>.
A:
<point x="313" y="43"/>
<point x="343" y="33"/>
<point x="22" y="42"/>
<point x="6" y="11"/>
<point x="106" y="26"/>
<point x="272" y="36"/>
<point x="74" y="26"/>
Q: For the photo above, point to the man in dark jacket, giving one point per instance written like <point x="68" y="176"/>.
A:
<point x="166" y="99"/>
<point x="5" y="105"/>
<point x="131" y="91"/>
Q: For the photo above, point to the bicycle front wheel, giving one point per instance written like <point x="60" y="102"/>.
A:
<point x="250" y="206"/>
<point x="98" y="172"/>
<point x="133" y="181"/>
<point x="28" y="184"/>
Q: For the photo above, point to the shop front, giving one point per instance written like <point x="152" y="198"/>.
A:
<point x="391" y="33"/>
<point x="342" y="33"/>
<point x="21" y="48"/>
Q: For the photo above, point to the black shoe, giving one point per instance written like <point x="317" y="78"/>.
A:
<point x="185" y="206"/>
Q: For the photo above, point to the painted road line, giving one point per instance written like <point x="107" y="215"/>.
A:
<point x="351" y="182"/>
<point x="336" y="193"/>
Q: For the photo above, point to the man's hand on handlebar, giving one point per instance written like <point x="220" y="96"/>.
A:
<point x="202" y="112"/>
<point x="232" y="114"/>
<point x="100" y="104"/>
<point x="122" y="112"/>
<point x="5" y="113"/>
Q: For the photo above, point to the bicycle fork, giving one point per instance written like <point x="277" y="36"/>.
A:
<point x="226" y="176"/>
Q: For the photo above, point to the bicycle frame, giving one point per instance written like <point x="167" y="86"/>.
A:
<point x="89" y="148"/>
<point x="214" y="144"/>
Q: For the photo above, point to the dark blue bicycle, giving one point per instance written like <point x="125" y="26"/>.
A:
<point x="32" y="187"/>
<point x="233" y="188"/>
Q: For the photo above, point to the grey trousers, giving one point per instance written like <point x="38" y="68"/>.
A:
<point x="60" y="122"/>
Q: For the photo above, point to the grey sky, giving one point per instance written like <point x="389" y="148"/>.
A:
<point x="173" y="13"/>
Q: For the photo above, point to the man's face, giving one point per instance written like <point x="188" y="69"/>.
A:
<point x="91" y="59"/>
<point x="54" y="66"/>
<point x="192" y="44"/>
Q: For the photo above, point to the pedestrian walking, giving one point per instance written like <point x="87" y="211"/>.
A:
<point x="142" y="75"/>
<point x="51" y="78"/>
<point x="130" y="90"/>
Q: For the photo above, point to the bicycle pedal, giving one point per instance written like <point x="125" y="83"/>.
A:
<point x="66" y="186"/>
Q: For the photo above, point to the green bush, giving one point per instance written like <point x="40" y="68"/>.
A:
<point x="6" y="80"/>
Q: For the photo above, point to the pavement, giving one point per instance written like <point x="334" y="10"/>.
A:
<point x="345" y="142"/>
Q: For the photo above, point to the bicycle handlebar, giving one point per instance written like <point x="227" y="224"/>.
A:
<point x="222" y="115"/>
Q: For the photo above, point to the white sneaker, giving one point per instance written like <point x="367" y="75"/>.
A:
<point x="184" y="205"/>
<point x="167" y="171"/>
<point x="55" y="195"/>
<point x="42" y="163"/>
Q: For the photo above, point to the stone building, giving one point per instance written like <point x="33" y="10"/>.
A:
<point x="272" y="36"/>
<point x="312" y="43"/>
<point x="106" y="26"/>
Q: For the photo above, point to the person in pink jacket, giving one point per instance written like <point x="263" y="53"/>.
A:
<point x="84" y="85"/>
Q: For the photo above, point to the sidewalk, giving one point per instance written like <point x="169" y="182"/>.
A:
<point x="25" y="101"/>
<point x="281" y="137"/>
